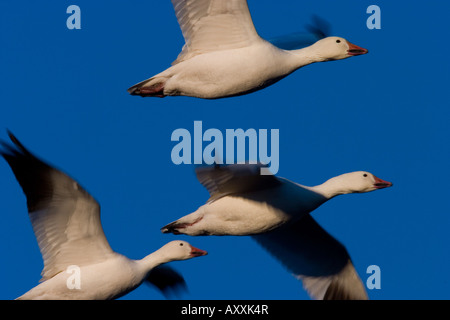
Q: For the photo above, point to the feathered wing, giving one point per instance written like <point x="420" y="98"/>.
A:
<point x="318" y="29"/>
<point x="65" y="218"/>
<point x="226" y="180"/>
<point x="210" y="25"/>
<point x="316" y="258"/>
<point x="166" y="279"/>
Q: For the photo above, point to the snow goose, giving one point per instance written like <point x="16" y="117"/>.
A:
<point x="276" y="212"/>
<point x="224" y="56"/>
<point x="66" y="223"/>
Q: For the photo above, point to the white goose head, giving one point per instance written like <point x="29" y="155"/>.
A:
<point x="360" y="182"/>
<point x="181" y="250"/>
<point x="336" y="48"/>
<point x="353" y="182"/>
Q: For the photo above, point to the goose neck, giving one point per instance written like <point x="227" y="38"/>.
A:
<point x="304" y="56"/>
<point x="152" y="260"/>
<point x="331" y="188"/>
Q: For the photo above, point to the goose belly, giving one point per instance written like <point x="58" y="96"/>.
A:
<point x="227" y="73"/>
<point x="102" y="281"/>
<point x="241" y="216"/>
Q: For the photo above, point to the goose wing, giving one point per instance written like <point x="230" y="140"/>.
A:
<point x="226" y="180"/>
<point x="65" y="217"/>
<point x="211" y="25"/>
<point x="318" y="29"/>
<point x="316" y="258"/>
<point x="166" y="279"/>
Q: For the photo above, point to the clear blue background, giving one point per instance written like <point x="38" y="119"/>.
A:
<point x="63" y="94"/>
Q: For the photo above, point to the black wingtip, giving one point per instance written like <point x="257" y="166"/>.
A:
<point x="17" y="142"/>
<point x="167" y="280"/>
<point x="10" y="134"/>
<point x="170" y="228"/>
<point x="10" y="150"/>
<point x="319" y="27"/>
<point x="31" y="173"/>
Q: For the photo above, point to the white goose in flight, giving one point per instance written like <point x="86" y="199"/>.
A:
<point x="276" y="212"/>
<point x="224" y="56"/>
<point x="66" y="223"/>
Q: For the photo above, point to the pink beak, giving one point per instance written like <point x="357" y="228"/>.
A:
<point x="380" y="184"/>
<point x="195" y="252"/>
<point x="354" y="50"/>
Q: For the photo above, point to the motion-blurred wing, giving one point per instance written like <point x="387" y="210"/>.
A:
<point x="319" y="29"/>
<point x="226" y="180"/>
<point x="316" y="258"/>
<point x="65" y="218"/>
<point x="166" y="279"/>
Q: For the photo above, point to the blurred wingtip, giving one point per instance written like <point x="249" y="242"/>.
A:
<point x="169" y="282"/>
<point x="7" y="145"/>
<point x="319" y="26"/>
<point x="15" y="141"/>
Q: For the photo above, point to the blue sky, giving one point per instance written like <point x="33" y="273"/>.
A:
<point x="64" y="96"/>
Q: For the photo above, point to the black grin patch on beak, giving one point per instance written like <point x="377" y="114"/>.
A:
<point x="357" y="51"/>
<point x="382" y="185"/>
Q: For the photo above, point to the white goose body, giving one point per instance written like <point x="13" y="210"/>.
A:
<point x="276" y="213"/>
<point x="120" y="275"/>
<point x="253" y="212"/>
<point x="78" y="261"/>
<point x="110" y="279"/>
<point x="224" y="56"/>
<point x="240" y="71"/>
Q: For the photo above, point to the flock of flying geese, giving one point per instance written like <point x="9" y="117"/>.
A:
<point x="223" y="56"/>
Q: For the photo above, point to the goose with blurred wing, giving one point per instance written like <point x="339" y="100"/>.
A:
<point x="224" y="56"/>
<point x="276" y="213"/>
<point x="66" y="223"/>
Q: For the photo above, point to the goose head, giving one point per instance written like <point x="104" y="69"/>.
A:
<point x="336" y="48"/>
<point x="357" y="182"/>
<point x="353" y="182"/>
<point x="181" y="250"/>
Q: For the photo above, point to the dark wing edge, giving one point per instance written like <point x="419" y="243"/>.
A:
<point x="52" y="198"/>
<point x="223" y="180"/>
<point x="317" y="30"/>
<point x="167" y="280"/>
<point x="36" y="177"/>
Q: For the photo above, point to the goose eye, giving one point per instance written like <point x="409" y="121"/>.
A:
<point x="365" y="174"/>
<point x="181" y="244"/>
<point x="338" y="41"/>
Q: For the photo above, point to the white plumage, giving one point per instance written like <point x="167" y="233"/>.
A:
<point x="66" y="223"/>
<point x="276" y="212"/>
<point x="224" y="56"/>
